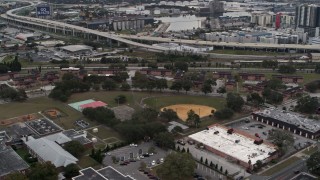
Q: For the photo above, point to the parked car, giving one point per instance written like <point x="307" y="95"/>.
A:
<point x="153" y="163"/>
<point x="257" y="135"/>
<point x="133" y="145"/>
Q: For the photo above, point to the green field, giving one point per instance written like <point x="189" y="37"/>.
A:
<point x="87" y="161"/>
<point x="35" y="105"/>
<point x="280" y="166"/>
<point x="105" y="133"/>
<point x="159" y="102"/>
<point x="310" y="151"/>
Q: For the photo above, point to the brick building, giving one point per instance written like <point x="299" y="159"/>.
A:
<point x="252" y="77"/>
<point x="156" y="72"/>
<point x="222" y="75"/>
<point x="289" y="79"/>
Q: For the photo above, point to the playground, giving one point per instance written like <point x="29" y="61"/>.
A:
<point x="183" y="109"/>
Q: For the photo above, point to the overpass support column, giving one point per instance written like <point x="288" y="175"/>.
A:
<point x="55" y="29"/>
<point x="97" y="38"/>
<point x="72" y="32"/>
<point x="223" y="47"/>
<point x="118" y="44"/>
<point x="233" y="47"/>
<point x="64" y="30"/>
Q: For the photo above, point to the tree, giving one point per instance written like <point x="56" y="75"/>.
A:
<point x="101" y="115"/>
<point x="43" y="171"/>
<point x="272" y="97"/>
<point x="74" y="147"/>
<point x="286" y="69"/>
<point x="312" y="87"/>
<point x="183" y="150"/>
<point x="176" y="85"/>
<point x="211" y="164"/>
<point x="221" y="90"/>
<point x="188" y="151"/>
<point x="275" y="84"/>
<point x="317" y="69"/>
<point x="120" y="99"/>
<point x="221" y="169"/>
<point x="161" y="84"/>
<point x="178" y="149"/>
<point x="206" y="162"/>
<point x="224" y="113"/>
<point x="206" y="88"/>
<point x="177" y="129"/>
<point x="125" y="87"/>
<point x="193" y="118"/>
<point x="201" y="160"/>
<point x="270" y="64"/>
<point x="307" y="104"/>
<point x="234" y="101"/>
<point x="169" y="114"/>
<point x="109" y="84"/>
<point x="255" y="99"/>
<point x="180" y="65"/>
<point x="226" y="172"/>
<point x="313" y="163"/>
<point x="178" y="166"/>
<point x="71" y="170"/>
<point x="16" y="176"/>
<point x="187" y="85"/>
<point x="164" y="140"/>
<point x="282" y="139"/>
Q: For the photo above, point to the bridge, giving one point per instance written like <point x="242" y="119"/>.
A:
<point x="77" y="31"/>
<point x="68" y="29"/>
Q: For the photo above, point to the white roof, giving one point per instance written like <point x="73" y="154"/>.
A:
<point x="244" y="150"/>
<point x="59" y="138"/>
<point x="50" y="151"/>
<point x="75" y="48"/>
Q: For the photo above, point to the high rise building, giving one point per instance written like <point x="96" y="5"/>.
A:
<point x="308" y="16"/>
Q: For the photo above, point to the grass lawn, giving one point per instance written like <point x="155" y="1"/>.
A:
<point x="159" y="102"/>
<point x="35" y="105"/>
<point x="280" y="166"/>
<point x="87" y="161"/>
<point x="247" y="52"/>
<point x="133" y="98"/>
<point x="105" y="133"/>
<point x="310" y="151"/>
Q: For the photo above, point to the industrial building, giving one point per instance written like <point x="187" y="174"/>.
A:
<point x="235" y="145"/>
<point x="293" y="122"/>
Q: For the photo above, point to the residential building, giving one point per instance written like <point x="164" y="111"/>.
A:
<point x="289" y="79"/>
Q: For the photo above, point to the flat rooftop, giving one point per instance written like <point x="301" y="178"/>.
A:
<point x="43" y="127"/>
<point x="244" y="150"/>
<point x="292" y="118"/>
<point x="75" y="48"/>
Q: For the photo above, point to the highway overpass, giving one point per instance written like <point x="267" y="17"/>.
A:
<point x="72" y="30"/>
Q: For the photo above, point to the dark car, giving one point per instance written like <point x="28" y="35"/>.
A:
<point x="240" y="178"/>
<point x="296" y="172"/>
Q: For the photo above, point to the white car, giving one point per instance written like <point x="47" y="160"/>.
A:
<point x="161" y="160"/>
<point x="153" y="163"/>
<point x="141" y="157"/>
<point x="151" y="154"/>
<point x="133" y="145"/>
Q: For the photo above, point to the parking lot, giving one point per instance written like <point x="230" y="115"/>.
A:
<point x="197" y="153"/>
<point x="129" y="152"/>
<point x="254" y="127"/>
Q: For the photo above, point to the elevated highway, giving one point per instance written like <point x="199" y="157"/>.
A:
<point x="72" y="30"/>
<point x="68" y="29"/>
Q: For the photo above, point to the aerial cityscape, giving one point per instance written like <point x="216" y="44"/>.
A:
<point x="160" y="89"/>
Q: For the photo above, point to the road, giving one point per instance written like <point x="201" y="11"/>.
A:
<point x="125" y="38"/>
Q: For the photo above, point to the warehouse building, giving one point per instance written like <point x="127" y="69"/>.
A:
<point x="235" y="145"/>
<point x="290" y="121"/>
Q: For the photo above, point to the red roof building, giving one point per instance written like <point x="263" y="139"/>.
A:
<point x="93" y="105"/>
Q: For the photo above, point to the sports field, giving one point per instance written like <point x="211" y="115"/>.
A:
<point x="183" y="109"/>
